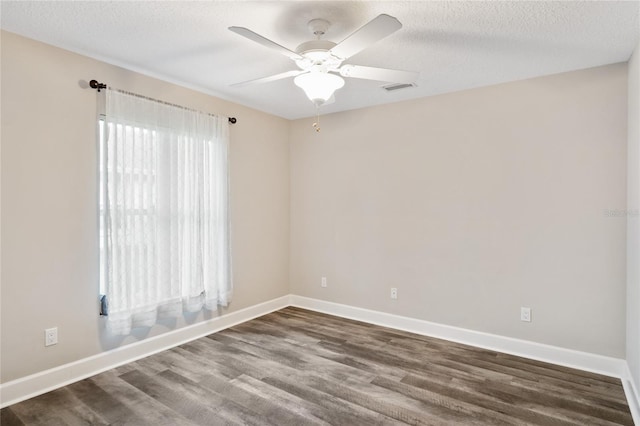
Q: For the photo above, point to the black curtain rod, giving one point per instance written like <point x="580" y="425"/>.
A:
<point x="98" y="86"/>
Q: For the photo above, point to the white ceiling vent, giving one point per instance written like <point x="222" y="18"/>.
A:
<point x="392" y="87"/>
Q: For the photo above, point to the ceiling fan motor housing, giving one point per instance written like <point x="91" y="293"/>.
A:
<point x="316" y="53"/>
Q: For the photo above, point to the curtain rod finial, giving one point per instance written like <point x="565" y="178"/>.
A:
<point x="95" y="85"/>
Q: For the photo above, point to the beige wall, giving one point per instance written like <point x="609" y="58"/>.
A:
<point x="49" y="218"/>
<point x="473" y="204"/>
<point x="633" y="225"/>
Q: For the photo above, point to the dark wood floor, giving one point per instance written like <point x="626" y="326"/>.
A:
<point x="297" y="367"/>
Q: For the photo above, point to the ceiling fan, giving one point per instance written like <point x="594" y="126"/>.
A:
<point x="320" y="61"/>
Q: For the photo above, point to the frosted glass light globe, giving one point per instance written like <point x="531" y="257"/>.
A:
<point x="318" y="86"/>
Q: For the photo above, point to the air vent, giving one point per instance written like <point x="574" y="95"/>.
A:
<point x="392" y="87"/>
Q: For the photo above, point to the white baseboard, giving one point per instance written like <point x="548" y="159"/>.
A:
<point x="45" y="381"/>
<point x="633" y="396"/>
<point x="608" y="366"/>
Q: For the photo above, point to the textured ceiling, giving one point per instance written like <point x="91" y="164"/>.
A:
<point x="454" y="45"/>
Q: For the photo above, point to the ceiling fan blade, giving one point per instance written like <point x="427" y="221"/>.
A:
<point x="275" y="77"/>
<point x="375" y="30"/>
<point x="380" y="74"/>
<point x="245" y="32"/>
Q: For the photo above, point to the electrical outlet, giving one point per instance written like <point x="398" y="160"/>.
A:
<point x="525" y="314"/>
<point x="323" y="282"/>
<point x="51" y="336"/>
<point x="394" y="293"/>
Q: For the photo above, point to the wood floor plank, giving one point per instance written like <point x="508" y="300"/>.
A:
<point x="387" y="403"/>
<point x="299" y="367"/>
<point x="147" y="409"/>
<point x="469" y="413"/>
<point x="59" y="407"/>
<point x="341" y="411"/>
<point x="9" y="418"/>
<point x="488" y="398"/>
<point x="296" y="411"/>
<point x="199" y="353"/>
<point x="282" y="353"/>
<point x="101" y="401"/>
<point x="209" y="401"/>
<point x="549" y="402"/>
<point x="486" y="402"/>
<point x="182" y="403"/>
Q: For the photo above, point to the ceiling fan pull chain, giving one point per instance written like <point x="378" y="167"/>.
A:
<point x="316" y="125"/>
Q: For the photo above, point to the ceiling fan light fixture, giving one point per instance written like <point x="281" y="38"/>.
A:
<point x="319" y="86"/>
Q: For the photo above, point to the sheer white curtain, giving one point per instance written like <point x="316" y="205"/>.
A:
<point x="164" y="209"/>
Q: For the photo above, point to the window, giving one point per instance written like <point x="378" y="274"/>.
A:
<point x="164" y="223"/>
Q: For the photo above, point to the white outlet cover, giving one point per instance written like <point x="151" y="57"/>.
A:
<point x="525" y="314"/>
<point x="51" y="336"/>
<point x="323" y="282"/>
